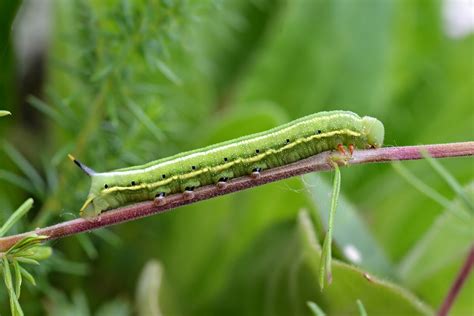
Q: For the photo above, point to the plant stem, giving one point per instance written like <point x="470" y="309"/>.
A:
<point x="320" y="162"/>
<point x="457" y="284"/>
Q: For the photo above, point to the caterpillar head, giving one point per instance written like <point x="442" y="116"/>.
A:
<point x="374" y="131"/>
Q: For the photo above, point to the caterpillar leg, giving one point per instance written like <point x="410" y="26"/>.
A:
<point x="256" y="173"/>
<point x="351" y="148"/>
<point x="340" y="148"/>
<point x="188" y="193"/>
<point x="222" y="183"/>
<point x="160" y="199"/>
<point x="221" y="179"/>
<point x="346" y="156"/>
<point x="343" y="159"/>
<point x="96" y="219"/>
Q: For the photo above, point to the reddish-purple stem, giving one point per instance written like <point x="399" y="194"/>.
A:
<point x="461" y="278"/>
<point x="320" y="162"/>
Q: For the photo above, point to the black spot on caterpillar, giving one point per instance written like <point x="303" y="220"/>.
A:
<point x="214" y="164"/>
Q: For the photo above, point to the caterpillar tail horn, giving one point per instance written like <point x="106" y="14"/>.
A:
<point x="90" y="172"/>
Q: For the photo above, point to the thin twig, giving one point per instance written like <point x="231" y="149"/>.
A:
<point x="461" y="278"/>
<point x="318" y="162"/>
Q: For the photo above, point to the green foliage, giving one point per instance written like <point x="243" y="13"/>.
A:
<point x="363" y="286"/>
<point x="26" y="251"/>
<point x="133" y="81"/>
<point x="325" y="274"/>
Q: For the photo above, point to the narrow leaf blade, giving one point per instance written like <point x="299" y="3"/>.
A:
<point x="28" y="276"/>
<point x="18" y="279"/>
<point x="19" y="213"/>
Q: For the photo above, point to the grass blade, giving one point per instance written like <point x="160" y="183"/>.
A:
<point x="145" y="120"/>
<point x="18" y="279"/>
<point x="325" y="273"/>
<point x="48" y="111"/>
<point x="7" y="277"/>
<point x="25" y="167"/>
<point x="168" y="72"/>
<point x="452" y="182"/>
<point x="420" y="185"/>
<point x="28" y="276"/>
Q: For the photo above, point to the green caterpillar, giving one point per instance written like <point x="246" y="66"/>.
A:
<point x="218" y="163"/>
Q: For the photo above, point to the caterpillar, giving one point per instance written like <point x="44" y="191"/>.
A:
<point x="216" y="164"/>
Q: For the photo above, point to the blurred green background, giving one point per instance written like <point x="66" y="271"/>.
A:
<point x="119" y="83"/>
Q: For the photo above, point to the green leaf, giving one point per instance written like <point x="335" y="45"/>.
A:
<point x="351" y="284"/>
<point x="24" y="245"/>
<point x="27" y="276"/>
<point x="27" y="260"/>
<point x="14" y="303"/>
<point x="38" y="253"/>
<point x="16" y="216"/>
<point x="4" y="113"/>
<point x="18" y="279"/>
<point x="7" y="275"/>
